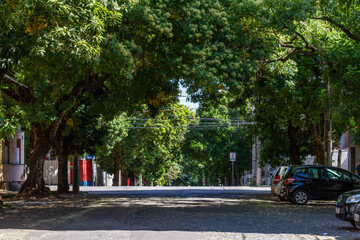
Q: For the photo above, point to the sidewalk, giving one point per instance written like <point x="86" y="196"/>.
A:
<point x="6" y="193"/>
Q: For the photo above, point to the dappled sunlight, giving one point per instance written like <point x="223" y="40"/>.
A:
<point x="196" y="215"/>
<point x="176" y="202"/>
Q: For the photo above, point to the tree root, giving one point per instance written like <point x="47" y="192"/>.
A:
<point x="34" y="192"/>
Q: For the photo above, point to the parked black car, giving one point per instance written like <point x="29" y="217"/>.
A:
<point x="276" y="183"/>
<point x="347" y="207"/>
<point x="302" y="183"/>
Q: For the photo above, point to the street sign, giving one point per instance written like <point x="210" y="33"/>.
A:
<point x="232" y="157"/>
<point x="89" y="157"/>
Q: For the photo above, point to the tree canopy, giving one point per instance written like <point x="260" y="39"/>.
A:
<point x="295" y="62"/>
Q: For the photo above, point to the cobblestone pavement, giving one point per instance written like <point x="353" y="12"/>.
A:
<point x="171" y="213"/>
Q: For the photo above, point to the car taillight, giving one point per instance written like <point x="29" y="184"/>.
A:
<point x="277" y="179"/>
<point x="289" y="180"/>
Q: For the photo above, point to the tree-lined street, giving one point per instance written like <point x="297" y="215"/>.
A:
<point x="171" y="213"/>
<point x="99" y="82"/>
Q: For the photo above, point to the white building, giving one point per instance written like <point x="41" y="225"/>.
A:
<point x="12" y="162"/>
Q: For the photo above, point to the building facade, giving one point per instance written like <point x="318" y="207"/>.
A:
<point x="348" y="155"/>
<point x="12" y="162"/>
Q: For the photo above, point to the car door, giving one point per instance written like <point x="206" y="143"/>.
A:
<point x="319" y="183"/>
<point x="339" y="182"/>
<point x="347" y="183"/>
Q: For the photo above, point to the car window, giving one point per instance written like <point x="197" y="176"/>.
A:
<point x="337" y="174"/>
<point x="282" y="171"/>
<point x="333" y="174"/>
<point x="300" y="172"/>
<point x="346" y="176"/>
<point x="316" y="173"/>
<point x="277" y="171"/>
<point x="356" y="179"/>
<point x="322" y="172"/>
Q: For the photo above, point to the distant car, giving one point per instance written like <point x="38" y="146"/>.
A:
<point x="276" y="187"/>
<point x="305" y="182"/>
<point x="347" y="207"/>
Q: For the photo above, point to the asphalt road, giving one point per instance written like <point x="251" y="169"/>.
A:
<point x="197" y="213"/>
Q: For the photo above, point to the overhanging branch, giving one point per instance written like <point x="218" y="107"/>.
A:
<point x="20" y="93"/>
<point x="16" y="82"/>
<point x="343" y="28"/>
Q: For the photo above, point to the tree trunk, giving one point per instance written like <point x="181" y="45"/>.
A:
<point x="132" y="178"/>
<point x="320" y="153"/>
<point x="124" y="178"/>
<point x="328" y="142"/>
<point x="62" y="153"/>
<point x="117" y="161"/>
<point x="319" y="143"/>
<point x="34" y="184"/>
<point x="339" y="159"/>
<point x="294" y="147"/>
<point x="257" y="159"/>
<point x="328" y="126"/>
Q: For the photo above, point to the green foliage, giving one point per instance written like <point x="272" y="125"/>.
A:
<point x="8" y="126"/>
<point x="148" y="146"/>
<point x="207" y="149"/>
<point x="64" y="63"/>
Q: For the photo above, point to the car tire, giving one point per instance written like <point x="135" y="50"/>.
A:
<point x="300" y="197"/>
<point x="356" y="224"/>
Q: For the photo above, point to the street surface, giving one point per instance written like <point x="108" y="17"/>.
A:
<point x="194" y="213"/>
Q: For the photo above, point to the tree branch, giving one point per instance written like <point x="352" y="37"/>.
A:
<point x="16" y="82"/>
<point x="90" y="83"/>
<point x="343" y="28"/>
<point x="24" y="93"/>
<point x="306" y="42"/>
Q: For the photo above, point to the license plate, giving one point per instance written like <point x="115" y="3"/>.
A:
<point x="337" y="210"/>
<point x="356" y="217"/>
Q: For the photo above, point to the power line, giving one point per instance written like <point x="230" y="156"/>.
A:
<point x="194" y="126"/>
<point x="220" y="119"/>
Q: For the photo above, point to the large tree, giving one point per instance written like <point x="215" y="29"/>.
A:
<point x="55" y="54"/>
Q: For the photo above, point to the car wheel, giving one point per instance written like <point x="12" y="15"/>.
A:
<point x="300" y="197"/>
<point x="357" y="225"/>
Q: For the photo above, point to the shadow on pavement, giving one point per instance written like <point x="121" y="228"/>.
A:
<point x="241" y="212"/>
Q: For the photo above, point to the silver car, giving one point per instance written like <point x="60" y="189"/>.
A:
<point x="276" y="181"/>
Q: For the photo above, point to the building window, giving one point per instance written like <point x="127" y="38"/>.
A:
<point x="18" y="151"/>
<point x="6" y="152"/>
